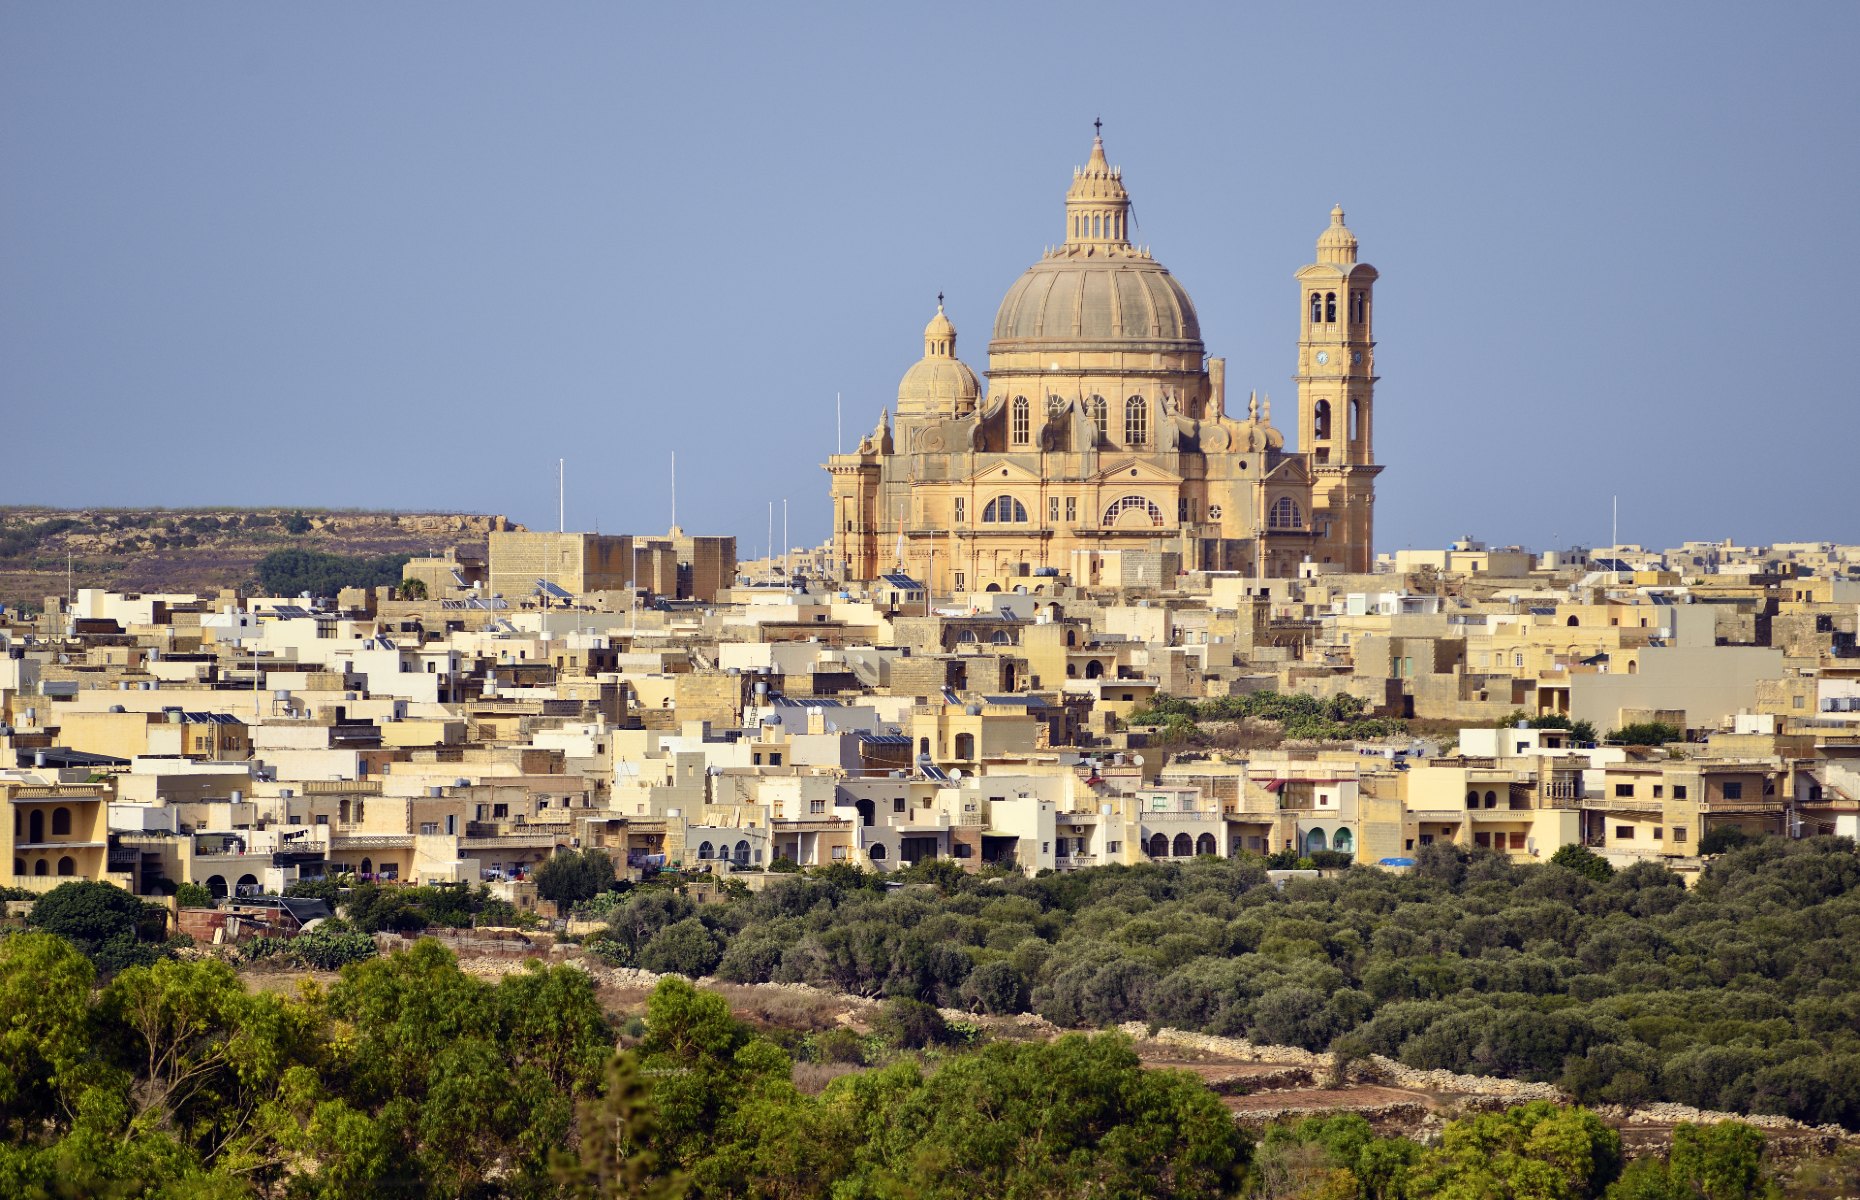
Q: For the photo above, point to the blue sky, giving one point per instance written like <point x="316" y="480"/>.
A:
<point x="407" y="255"/>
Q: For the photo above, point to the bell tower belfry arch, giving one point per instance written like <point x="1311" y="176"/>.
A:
<point x="1336" y="396"/>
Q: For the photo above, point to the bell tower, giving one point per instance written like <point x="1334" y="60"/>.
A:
<point x="1336" y="396"/>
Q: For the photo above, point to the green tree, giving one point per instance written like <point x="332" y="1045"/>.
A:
<point x="294" y="572"/>
<point x="1646" y="733"/>
<point x="571" y="876"/>
<point x="46" y="1036"/>
<point x="111" y="927"/>
<point x="1078" y="1116"/>
<point x="1533" y="1152"/>
<point x="616" y="1158"/>
<point x="683" y="948"/>
<point x="412" y="589"/>
<point x="193" y="895"/>
<point x="1583" y="861"/>
<point x="297" y="524"/>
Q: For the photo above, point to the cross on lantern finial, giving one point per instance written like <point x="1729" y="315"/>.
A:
<point x="939" y="301"/>
<point x="1097" y="127"/>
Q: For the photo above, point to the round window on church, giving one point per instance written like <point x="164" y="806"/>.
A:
<point x="1243" y="464"/>
<point x="1214" y="512"/>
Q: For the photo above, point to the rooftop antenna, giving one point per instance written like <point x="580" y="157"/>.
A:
<point x="561" y="495"/>
<point x="787" y="570"/>
<point x="839" y="436"/>
<point x="674" y="489"/>
<point x="771" y="542"/>
<point x="1614" y="535"/>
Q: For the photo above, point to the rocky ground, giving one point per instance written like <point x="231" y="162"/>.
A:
<point x="203" y="549"/>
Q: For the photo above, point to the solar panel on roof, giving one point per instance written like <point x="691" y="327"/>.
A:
<point x="543" y="585"/>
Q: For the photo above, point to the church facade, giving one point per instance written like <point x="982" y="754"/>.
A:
<point x="1102" y="425"/>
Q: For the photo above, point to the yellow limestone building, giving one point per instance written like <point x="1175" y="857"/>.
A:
<point x="1104" y="426"/>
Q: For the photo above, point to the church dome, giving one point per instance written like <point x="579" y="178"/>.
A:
<point x="1097" y="299"/>
<point x="939" y="382"/>
<point x="1336" y="245"/>
<point x="1097" y="287"/>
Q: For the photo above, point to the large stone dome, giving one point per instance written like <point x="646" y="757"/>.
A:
<point x="1097" y="287"/>
<point x="1076" y="298"/>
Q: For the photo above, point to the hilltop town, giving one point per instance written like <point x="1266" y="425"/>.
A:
<point x="1644" y="705"/>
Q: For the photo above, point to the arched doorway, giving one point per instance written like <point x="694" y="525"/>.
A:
<point x="368" y="867"/>
<point x="1314" y="841"/>
<point x="1159" y="845"/>
<point x="61" y="822"/>
<point x="866" y="812"/>
<point x="706" y="850"/>
<point x="216" y="886"/>
<point x="66" y="866"/>
<point x="965" y="746"/>
<point x="41" y="868"/>
<point x="35" y="824"/>
<point x="876" y="853"/>
<point x="1184" y="846"/>
<point x="1094" y="669"/>
<point x="1205" y="844"/>
<point x="247" y="886"/>
<point x="742" y="854"/>
<point x="1343" y="843"/>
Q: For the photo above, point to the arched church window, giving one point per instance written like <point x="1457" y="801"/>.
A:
<point x="1356" y="419"/>
<point x="1004" y="510"/>
<point x="1320" y="419"/>
<point x="1101" y="418"/>
<point x="1021" y="421"/>
<point x="1359" y="306"/>
<point x="1330" y="307"/>
<point x="1285" y="514"/>
<point x="1126" y="503"/>
<point x="1317" y="307"/>
<point x="1136" y="421"/>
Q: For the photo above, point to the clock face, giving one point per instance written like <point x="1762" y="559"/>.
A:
<point x="1357" y="357"/>
<point x="1322" y="358"/>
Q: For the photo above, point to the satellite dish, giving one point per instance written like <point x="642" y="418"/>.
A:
<point x="955" y="775"/>
<point x="1137" y="758"/>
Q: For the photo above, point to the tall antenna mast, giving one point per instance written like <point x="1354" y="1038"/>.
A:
<point x="1614" y="535"/>
<point x="771" y="542"/>
<point x="674" y="489"/>
<point x="787" y="568"/>
<point x="561" y="495"/>
<point x="839" y="438"/>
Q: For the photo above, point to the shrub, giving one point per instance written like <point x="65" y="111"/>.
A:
<point x="193" y="895"/>
<point x="911" y="1024"/>
<point x="571" y="877"/>
<point x="682" y="948"/>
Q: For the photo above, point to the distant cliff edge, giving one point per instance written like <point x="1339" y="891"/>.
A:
<point x="203" y="549"/>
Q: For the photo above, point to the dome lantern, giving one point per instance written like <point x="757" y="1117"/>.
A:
<point x="1337" y="245"/>
<point x="1097" y="206"/>
<point x="940" y="334"/>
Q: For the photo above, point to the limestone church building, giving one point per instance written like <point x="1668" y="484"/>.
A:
<point x="1102" y="425"/>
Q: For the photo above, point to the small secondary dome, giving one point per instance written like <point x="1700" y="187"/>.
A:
<point x="939" y="382"/>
